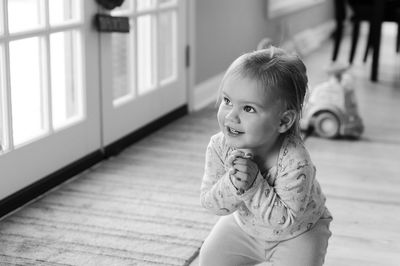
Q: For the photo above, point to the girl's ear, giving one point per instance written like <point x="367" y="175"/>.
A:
<point x="287" y="120"/>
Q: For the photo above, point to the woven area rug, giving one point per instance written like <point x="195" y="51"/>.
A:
<point x="141" y="207"/>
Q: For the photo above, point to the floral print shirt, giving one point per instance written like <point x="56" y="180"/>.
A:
<point x="281" y="204"/>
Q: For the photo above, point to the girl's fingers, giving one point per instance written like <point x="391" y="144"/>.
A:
<point x="233" y="156"/>
<point x="244" y="164"/>
<point x="237" y="153"/>
<point x="232" y="171"/>
<point x="241" y="167"/>
<point x="248" y="155"/>
<point x="240" y="160"/>
<point x="241" y="177"/>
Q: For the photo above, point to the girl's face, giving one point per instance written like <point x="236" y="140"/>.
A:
<point x="247" y="116"/>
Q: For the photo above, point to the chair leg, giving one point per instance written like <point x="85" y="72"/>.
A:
<point x="398" y="38"/>
<point x="367" y="47"/>
<point x="337" y="38"/>
<point x="354" y="41"/>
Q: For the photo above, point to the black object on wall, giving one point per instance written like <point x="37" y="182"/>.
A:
<point x="107" y="23"/>
<point x="110" y="4"/>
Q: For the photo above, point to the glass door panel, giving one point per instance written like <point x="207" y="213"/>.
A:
<point x="166" y="3"/>
<point x="28" y="94"/>
<point x="64" y="11"/>
<point x="122" y="69"/>
<point x="24" y="15"/>
<point x="153" y="72"/>
<point x="49" y="88"/>
<point x="66" y="78"/>
<point x="3" y="104"/>
<point x="167" y="43"/>
<point x="146" y="51"/>
<point x="145" y="4"/>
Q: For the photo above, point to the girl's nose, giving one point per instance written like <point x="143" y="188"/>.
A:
<point x="233" y="116"/>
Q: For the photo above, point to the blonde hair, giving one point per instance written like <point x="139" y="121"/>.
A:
<point x="278" y="72"/>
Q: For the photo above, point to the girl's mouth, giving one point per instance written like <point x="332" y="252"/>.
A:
<point x="233" y="132"/>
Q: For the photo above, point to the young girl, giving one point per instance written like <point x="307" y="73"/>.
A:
<point x="258" y="173"/>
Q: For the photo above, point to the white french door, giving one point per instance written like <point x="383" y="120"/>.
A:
<point x="67" y="90"/>
<point x="49" y="88"/>
<point x="143" y="71"/>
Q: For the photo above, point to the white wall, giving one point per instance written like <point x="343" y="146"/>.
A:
<point x="225" y="29"/>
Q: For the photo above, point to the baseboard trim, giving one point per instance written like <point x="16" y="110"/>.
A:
<point x="119" y="145"/>
<point x="206" y="92"/>
<point x="38" y="188"/>
<point x="27" y="194"/>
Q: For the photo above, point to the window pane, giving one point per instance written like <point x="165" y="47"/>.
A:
<point x="145" y="4"/>
<point x="167" y="2"/>
<point x="27" y="90"/>
<point x="25" y="14"/>
<point x="167" y="42"/>
<point x="62" y="11"/>
<point x="145" y="54"/>
<point x="66" y="81"/>
<point x="121" y="66"/>
<point x="3" y="117"/>
<point x="1" y="18"/>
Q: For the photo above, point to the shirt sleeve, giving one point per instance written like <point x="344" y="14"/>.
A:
<point x="282" y="203"/>
<point x="218" y="194"/>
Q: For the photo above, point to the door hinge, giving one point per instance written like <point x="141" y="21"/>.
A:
<point x="187" y="56"/>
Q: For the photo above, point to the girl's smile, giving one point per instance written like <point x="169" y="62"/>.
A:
<point x="232" y="132"/>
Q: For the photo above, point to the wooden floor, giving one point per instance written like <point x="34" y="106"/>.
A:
<point x="361" y="179"/>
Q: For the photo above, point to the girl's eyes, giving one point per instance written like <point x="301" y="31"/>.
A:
<point x="249" y="109"/>
<point x="246" y="108"/>
<point x="226" y="101"/>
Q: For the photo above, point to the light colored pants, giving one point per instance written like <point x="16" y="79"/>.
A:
<point x="229" y="245"/>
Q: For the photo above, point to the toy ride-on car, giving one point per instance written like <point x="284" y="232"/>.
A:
<point x="331" y="109"/>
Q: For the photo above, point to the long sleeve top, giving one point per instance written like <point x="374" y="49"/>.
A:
<point x="281" y="204"/>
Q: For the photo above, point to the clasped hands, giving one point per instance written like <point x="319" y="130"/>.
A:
<point x="242" y="170"/>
